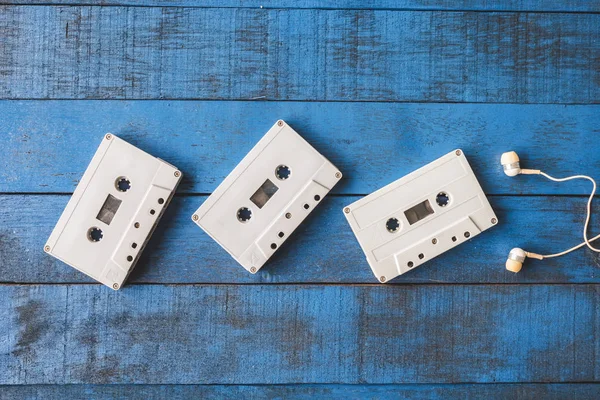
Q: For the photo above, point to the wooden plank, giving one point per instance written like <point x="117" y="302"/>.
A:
<point x="447" y="5"/>
<point x="82" y="52"/>
<point x="546" y="391"/>
<point x="322" y="250"/>
<point x="48" y="144"/>
<point x="299" y="334"/>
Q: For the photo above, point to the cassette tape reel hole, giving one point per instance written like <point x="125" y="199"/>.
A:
<point x="283" y="172"/>
<point x="392" y="225"/>
<point x="244" y="214"/>
<point x="442" y="199"/>
<point x="122" y="184"/>
<point x="95" y="234"/>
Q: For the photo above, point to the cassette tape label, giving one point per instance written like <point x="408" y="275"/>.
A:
<point x="420" y="216"/>
<point x="264" y="199"/>
<point x="394" y="195"/>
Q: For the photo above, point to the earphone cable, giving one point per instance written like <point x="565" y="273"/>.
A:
<point x="586" y="241"/>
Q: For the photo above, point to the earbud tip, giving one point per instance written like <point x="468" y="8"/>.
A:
<point x="510" y="157"/>
<point x="513" y="266"/>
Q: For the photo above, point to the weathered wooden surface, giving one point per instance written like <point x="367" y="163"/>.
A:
<point x="50" y="143"/>
<point x="573" y="391"/>
<point x="380" y="93"/>
<point x="448" y="5"/>
<point x="79" y="52"/>
<point x="322" y="250"/>
<point x="255" y="334"/>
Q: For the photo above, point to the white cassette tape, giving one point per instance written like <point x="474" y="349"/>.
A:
<point x="113" y="211"/>
<point x="420" y="216"/>
<point x="268" y="194"/>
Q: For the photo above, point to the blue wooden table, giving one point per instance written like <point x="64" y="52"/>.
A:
<point x="380" y="88"/>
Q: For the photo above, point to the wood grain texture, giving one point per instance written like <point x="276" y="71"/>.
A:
<point x="299" y="334"/>
<point x="322" y="250"/>
<point x="572" y="391"/>
<point x="81" y="52"/>
<point x="48" y="144"/>
<point x="446" y="5"/>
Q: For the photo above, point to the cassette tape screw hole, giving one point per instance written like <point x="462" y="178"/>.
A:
<point x="317" y="197"/>
<point x="46" y="248"/>
<point x="136" y="225"/>
<point x="454" y="238"/>
<point x="152" y="212"/>
<point x="195" y="217"/>
<point x="253" y="270"/>
<point x="467" y="234"/>
<point x="177" y="174"/>
<point x="347" y="210"/>
<point x="421" y="256"/>
<point x="494" y="221"/>
<point x="410" y="264"/>
<point x="281" y="234"/>
<point x="116" y="286"/>
<point x="306" y="206"/>
<point x="392" y="225"/>
<point x="129" y="258"/>
<point x="382" y="279"/>
<point x="338" y="175"/>
<point x="283" y="172"/>
<point x="133" y="245"/>
<point x="161" y="201"/>
<point x="95" y="234"/>
<point x="288" y="215"/>
<point x="273" y="246"/>
<point x="244" y="214"/>
<point x="434" y="241"/>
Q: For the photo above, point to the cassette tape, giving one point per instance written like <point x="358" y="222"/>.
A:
<point x="268" y="194"/>
<point x="420" y="216"/>
<point x="113" y="211"/>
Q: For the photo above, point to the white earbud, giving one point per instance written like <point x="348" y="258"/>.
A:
<point x="512" y="167"/>
<point x="517" y="257"/>
<point x="510" y="163"/>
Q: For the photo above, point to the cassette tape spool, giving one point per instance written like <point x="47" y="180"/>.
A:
<point x="420" y="216"/>
<point x="113" y="211"/>
<point x="268" y="194"/>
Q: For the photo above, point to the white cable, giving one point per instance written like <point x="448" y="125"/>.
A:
<point x="586" y="241"/>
